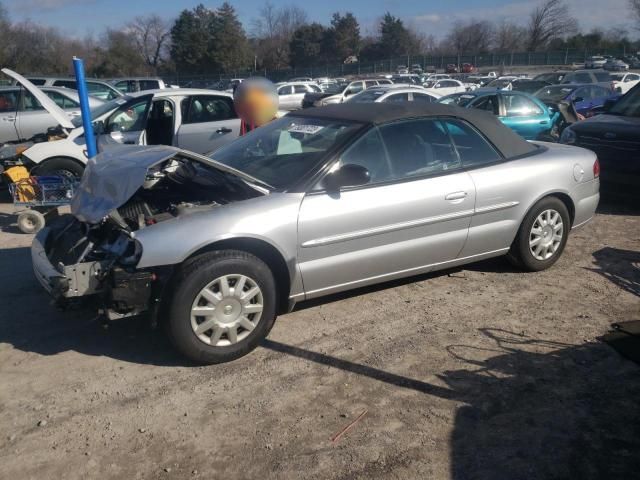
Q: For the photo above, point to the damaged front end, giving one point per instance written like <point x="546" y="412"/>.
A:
<point x="93" y="254"/>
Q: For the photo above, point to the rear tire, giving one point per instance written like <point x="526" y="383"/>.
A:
<point x="542" y="236"/>
<point x="223" y="305"/>
<point x="63" y="167"/>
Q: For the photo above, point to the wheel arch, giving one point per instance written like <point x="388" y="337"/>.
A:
<point x="266" y="252"/>
<point x="59" y="157"/>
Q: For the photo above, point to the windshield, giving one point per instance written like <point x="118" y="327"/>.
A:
<point x="628" y="105"/>
<point x="284" y="151"/>
<point x="335" y="88"/>
<point x="101" y="110"/>
<point x="554" y="93"/>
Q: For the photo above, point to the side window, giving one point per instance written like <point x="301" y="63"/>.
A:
<point x="125" y="86"/>
<point x="31" y="103"/>
<point x="300" y="89"/>
<point x="632" y="77"/>
<point x="472" y="148"/>
<point x="418" y="147"/>
<point x="100" y="91"/>
<point x="8" y="101"/>
<point x="355" y="88"/>
<point x="396" y="98"/>
<point x="129" y="118"/>
<point x="37" y="81"/>
<point x="582" y="78"/>
<point x="62" y="101"/>
<point x="520" y="106"/>
<point x="488" y="103"/>
<point x="421" y="97"/>
<point x="599" y="92"/>
<point x="209" y="108"/>
<point x="368" y="151"/>
<point x="66" y="84"/>
<point x="371" y="83"/>
<point x="286" y="90"/>
<point x="149" y="84"/>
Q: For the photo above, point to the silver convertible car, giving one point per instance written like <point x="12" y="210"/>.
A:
<point x="320" y="201"/>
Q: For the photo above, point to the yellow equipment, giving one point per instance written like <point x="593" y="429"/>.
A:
<point x="24" y="187"/>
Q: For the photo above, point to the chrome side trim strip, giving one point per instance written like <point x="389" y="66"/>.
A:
<point x="495" y="208"/>
<point x="385" y="229"/>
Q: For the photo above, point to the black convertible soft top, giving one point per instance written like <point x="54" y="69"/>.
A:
<point x="506" y="140"/>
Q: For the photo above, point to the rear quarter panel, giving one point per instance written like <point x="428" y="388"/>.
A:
<point x="505" y="192"/>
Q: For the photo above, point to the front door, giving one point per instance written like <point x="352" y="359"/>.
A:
<point x="414" y="213"/>
<point x="128" y="123"/>
<point x="8" y="115"/>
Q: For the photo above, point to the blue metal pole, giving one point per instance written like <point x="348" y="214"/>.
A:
<point x="89" y="137"/>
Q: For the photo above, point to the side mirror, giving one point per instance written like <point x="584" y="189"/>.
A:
<point x="609" y="103"/>
<point x="578" y="99"/>
<point x="349" y="175"/>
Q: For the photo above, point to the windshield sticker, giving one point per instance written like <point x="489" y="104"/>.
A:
<point x="310" y="129"/>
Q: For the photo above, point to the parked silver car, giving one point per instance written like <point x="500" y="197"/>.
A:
<point x="291" y="94"/>
<point x="320" y="201"/>
<point x="95" y="88"/>
<point x="22" y="116"/>
<point x="394" y="93"/>
<point x="138" y="84"/>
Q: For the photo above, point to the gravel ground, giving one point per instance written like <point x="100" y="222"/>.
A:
<point x="481" y="372"/>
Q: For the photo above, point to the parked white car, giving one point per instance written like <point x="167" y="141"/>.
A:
<point x="95" y="88"/>
<point x="130" y="85"/>
<point x="446" y="86"/>
<point x="623" y="82"/>
<point x="437" y="76"/>
<point x="197" y="120"/>
<point x="22" y="116"/>
<point x="595" y="61"/>
<point x="394" y="94"/>
<point x="291" y="94"/>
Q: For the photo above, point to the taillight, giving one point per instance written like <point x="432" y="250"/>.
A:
<point x="596" y="168"/>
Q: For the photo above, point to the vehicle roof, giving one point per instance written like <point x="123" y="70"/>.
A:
<point x="172" y="92"/>
<point x="505" y="139"/>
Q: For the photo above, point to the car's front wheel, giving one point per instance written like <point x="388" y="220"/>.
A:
<point x="542" y="236"/>
<point x="223" y="305"/>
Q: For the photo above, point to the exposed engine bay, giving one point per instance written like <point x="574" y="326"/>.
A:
<point x="99" y="259"/>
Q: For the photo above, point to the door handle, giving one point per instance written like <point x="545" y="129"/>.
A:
<point x="9" y="119"/>
<point x="223" y="130"/>
<point x="456" y="196"/>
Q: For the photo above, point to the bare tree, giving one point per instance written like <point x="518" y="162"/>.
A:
<point x="549" y="20"/>
<point x="273" y="31"/>
<point x="151" y="35"/>
<point x="469" y="37"/>
<point x="508" y="37"/>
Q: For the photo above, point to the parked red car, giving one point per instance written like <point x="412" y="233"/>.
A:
<point x="469" y="68"/>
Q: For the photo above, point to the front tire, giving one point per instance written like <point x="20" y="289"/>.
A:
<point x="62" y="167"/>
<point x="542" y="236"/>
<point x="224" y="304"/>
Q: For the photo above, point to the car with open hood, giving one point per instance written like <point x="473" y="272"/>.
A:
<point x="317" y="202"/>
<point x="192" y="119"/>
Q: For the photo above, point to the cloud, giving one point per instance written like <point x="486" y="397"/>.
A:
<point x="589" y="13"/>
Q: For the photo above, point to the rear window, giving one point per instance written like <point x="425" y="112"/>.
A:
<point x="602" y="76"/>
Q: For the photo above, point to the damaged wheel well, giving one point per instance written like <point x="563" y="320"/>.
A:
<point x="265" y="252"/>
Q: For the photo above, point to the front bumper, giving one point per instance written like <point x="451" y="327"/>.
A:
<point x="63" y="281"/>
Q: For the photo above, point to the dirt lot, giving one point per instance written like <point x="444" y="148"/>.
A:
<point x="481" y="372"/>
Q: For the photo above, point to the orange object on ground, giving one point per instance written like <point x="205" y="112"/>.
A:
<point x="24" y="185"/>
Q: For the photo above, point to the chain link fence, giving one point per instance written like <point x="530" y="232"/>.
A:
<point x="484" y="62"/>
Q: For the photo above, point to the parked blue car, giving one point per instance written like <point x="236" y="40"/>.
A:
<point x="585" y="97"/>
<point x="521" y="112"/>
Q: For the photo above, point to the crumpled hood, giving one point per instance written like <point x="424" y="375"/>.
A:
<point x="111" y="178"/>
<point x="115" y="175"/>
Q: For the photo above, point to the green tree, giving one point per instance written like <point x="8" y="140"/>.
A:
<point x="395" y="38"/>
<point x="230" y="47"/>
<point x="192" y="41"/>
<point x="306" y="45"/>
<point x="342" y="38"/>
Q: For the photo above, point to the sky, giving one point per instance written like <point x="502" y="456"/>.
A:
<point x="81" y="17"/>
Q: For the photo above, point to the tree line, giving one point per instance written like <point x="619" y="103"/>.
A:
<point x="205" y="40"/>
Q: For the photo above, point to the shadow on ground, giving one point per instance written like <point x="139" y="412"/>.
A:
<point x="622" y="267"/>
